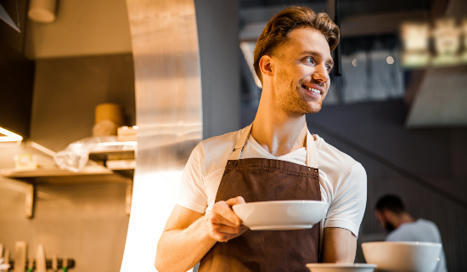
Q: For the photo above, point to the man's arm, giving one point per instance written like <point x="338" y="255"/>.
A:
<point x="189" y="235"/>
<point x="339" y="246"/>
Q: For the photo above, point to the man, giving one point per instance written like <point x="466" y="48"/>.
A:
<point x="391" y="213"/>
<point x="275" y="158"/>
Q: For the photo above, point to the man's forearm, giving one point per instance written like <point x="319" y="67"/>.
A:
<point x="181" y="249"/>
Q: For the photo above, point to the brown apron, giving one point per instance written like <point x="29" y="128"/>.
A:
<point x="258" y="179"/>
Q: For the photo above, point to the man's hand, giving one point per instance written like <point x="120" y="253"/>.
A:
<point x="223" y="224"/>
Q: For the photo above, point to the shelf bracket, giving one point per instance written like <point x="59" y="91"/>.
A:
<point x="30" y="200"/>
<point x="29" y="191"/>
<point x="128" y="196"/>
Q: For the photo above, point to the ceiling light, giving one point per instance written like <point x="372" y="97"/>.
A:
<point x="8" y="136"/>
<point x="4" y="16"/>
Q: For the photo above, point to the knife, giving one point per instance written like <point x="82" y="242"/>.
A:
<point x="20" y="256"/>
<point x="41" y="265"/>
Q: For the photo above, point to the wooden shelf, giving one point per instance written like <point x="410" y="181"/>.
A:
<point x="26" y="180"/>
<point x="115" y="165"/>
<point x="88" y="174"/>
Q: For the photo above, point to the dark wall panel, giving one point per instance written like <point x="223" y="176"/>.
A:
<point x="219" y="61"/>
<point x="16" y="72"/>
<point x="16" y="85"/>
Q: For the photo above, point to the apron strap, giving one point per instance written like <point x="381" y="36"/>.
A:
<point x="240" y="142"/>
<point x="311" y="151"/>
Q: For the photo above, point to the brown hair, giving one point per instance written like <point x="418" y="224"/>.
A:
<point x="276" y="30"/>
<point x="391" y="203"/>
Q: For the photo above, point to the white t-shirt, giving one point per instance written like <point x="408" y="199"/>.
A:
<point x="342" y="179"/>
<point x="420" y="231"/>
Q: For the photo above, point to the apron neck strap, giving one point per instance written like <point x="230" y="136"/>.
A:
<point x="311" y="151"/>
<point x="242" y="139"/>
<point x="240" y="142"/>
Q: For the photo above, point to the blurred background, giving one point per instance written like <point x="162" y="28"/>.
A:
<point x="102" y="101"/>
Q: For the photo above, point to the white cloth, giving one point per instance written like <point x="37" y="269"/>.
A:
<point x="420" y="231"/>
<point x="342" y="179"/>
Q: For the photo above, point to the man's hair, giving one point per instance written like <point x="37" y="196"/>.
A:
<point x="391" y="203"/>
<point x="276" y="30"/>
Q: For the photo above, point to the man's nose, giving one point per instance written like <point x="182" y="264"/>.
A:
<point x="320" y="74"/>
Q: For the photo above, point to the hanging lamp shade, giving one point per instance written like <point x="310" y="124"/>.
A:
<point x="42" y="11"/>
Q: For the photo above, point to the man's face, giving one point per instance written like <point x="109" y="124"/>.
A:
<point x="384" y="221"/>
<point x="301" y="75"/>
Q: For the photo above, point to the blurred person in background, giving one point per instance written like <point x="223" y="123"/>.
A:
<point x="391" y="213"/>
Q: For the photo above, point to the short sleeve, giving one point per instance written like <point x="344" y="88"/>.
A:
<point x="348" y="204"/>
<point x="191" y="192"/>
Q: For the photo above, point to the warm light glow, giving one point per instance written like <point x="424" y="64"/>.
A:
<point x="9" y="136"/>
<point x="154" y="196"/>
<point x="446" y="36"/>
<point x="389" y="60"/>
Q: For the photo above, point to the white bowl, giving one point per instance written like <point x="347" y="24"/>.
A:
<point x="281" y="215"/>
<point x="331" y="267"/>
<point x="402" y="256"/>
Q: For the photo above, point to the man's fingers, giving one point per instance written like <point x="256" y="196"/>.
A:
<point x="224" y="233"/>
<point x="235" y="200"/>
<point x="224" y="214"/>
<point x="220" y="220"/>
<point x="227" y="229"/>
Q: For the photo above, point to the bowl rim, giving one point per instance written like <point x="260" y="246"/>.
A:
<point x="342" y="265"/>
<point x="411" y="243"/>
<point x="273" y="202"/>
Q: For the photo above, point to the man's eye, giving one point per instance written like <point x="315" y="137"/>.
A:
<point x="310" y="60"/>
<point x="328" y="67"/>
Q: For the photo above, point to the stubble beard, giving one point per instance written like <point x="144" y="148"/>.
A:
<point x="291" y="101"/>
<point x="294" y="103"/>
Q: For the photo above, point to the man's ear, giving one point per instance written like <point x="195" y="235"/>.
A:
<point x="379" y="216"/>
<point x="266" y="65"/>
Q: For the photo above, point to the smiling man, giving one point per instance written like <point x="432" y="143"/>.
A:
<point x="274" y="158"/>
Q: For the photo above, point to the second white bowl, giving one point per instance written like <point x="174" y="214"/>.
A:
<point x="402" y="256"/>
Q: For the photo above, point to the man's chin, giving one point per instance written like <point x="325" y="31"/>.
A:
<point x="314" y="108"/>
<point x="309" y="111"/>
<point x="306" y="108"/>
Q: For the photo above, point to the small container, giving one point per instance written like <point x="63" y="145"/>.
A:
<point x="26" y="161"/>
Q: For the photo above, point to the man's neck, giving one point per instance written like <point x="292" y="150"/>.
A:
<point x="277" y="131"/>
<point x="404" y="218"/>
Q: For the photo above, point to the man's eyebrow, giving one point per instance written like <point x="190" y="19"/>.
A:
<point x="317" y="55"/>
